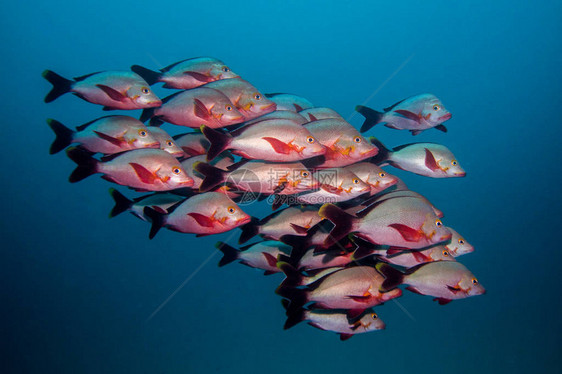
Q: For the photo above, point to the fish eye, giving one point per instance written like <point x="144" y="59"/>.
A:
<point x="169" y="143"/>
<point x="382" y="175"/>
<point x="454" y="162"/>
<point x="305" y="173"/>
<point x="474" y="281"/>
<point x="231" y="210"/>
<point x="461" y="241"/>
<point x="257" y="96"/>
<point x="225" y="69"/>
<point x="436" y="107"/>
<point x="143" y="133"/>
<point x="374" y="316"/>
<point x="438" y="223"/>
<point x="357" y="139"/>
<point x="445" y="253"/>
<point x="310" y="140"/>
<point x="356" y="181"/>
<point x="176" y="170"/>
<point x="228" y="107"/>
<point x="145" y="90"/>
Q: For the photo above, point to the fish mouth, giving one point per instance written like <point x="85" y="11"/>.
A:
<point x="153" y="104"/>
<point x="370" y="153"/>
<point x="244" y="220"/>
<point x="445" y="117"/>
<point x="187" y="183"/>
<point x="463" y="174"/>
<point x="267" y="107"/>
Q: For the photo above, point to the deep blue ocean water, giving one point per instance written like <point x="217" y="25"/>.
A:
<point x="77" y="289"/>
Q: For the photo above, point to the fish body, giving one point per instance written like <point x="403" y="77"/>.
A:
<point x="142" y="169"/>
<point x="458" y="245"/>
<point x="315" y="114"/>
<point x="245" y="97"/>
<point x="262" y="255"/>
<point x="427" y="159"/>
<point x="416" y="114"/>
<point x="203" y="214"/>
<point x="112" y="89"/>
<point x="107" y="135"/>
<point x="195" y="107"/>
<point x="328" y="259"/>
<point x="280" y="114"/>
<point x="290" y="102"/>
<point x="187" y="74"/>
<point x="158" y="201"/>
<point x="336" y="185"/>
<point x="373" y="175"/>
<point x="445" y="280"/>
<point x="270" y="140"/>
<point x="403" y="222"/>
<point x="193" y="143"/>
<point x="167" y="143"/>
<point x="344" y="144"/>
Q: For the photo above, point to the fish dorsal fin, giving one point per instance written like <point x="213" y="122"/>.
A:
<point x="395" y="149"/>
<point x="170" y="67"/>
<point x="170" y="97"/>
<point x="270" y="95"/>
<point x="393" y="105"/>
<point x="363" y="212"/>
<point x="82" y="77"/>
<point x="83" y="127"/>
<point x="111" y="157"/>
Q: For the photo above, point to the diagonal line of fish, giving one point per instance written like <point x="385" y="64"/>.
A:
<point x="189" y="277"/>
<point x="381" y="86"/>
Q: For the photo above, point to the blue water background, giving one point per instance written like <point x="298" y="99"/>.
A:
<point x="77" y="288"/>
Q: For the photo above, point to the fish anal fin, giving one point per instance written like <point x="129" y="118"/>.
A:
<point x="442" y="301"/>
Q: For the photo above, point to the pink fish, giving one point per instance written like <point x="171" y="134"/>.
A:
<point x="142" y="169"/>
<point x="262" y="255"/>
<point x="270" y="140"/>
<point x="158" y="201"/>
<point x="203" y="214"/>
<point x="187" y="74"/>
<point x="193" y="143"/>
<point x="445" y="280"/>
<point x="336" y="185"/>
<point x="373" y="175"/>
<point x="107" y="135"/>
<point x="193" y="108"/>
<point x="416" y="114"/>
<point x="458" y="245"/>
<point x="113" y="89"/>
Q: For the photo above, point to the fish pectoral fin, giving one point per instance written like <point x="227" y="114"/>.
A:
<point x="408" y="114"/>
<point x="277" y="145"/>
<point x="454" y="289"/>
<point x="299" y="229"/>
<point x="430" y="161"/>
<point x="115" y="141"/>
<point x="145" y="175"/>
<point x="360" y="298"/>
<point x="112" y="93"/>
<point x="198" y="76"/>
<point x="271" y="260"/>
<point x="280" y="187"/>
<point x="202" y="220"/>
<point x="420" y="257"/>
<point x="409" y="234"/>
<point x="330" y="189"/>
<point x="200" y="110"/>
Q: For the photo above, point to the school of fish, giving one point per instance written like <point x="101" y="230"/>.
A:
<point x="346" y="234"/>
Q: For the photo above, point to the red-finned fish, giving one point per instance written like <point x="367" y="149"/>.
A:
<point x="193" y="143"/>
<point x="107" y="135"/>
<point x="402" y="222"/>
<point x="245" y="97"/>
<point x="355" y="289"/>
<point x="112" y="89"/>
<point x="458" y="245"/>
<point x="280" y="114"/>
<point x="294" y="220"/>
<point x="290" y="102"/>
<point x="334" y="257"/>
<point x="344" y="145"/>
<point x="142" y="169"/>
<point x="203" y="214"/>
<point x="262" y="255"/>
<point x="315" y="114"/>
<point x="335" y="321"/>
<point x="258" y="177"/>
<point x="428" y="159"/>
<point x="220" y="162"/>
<point x="416" y="114"/>
<point x="373" y="175"/>
<point x="408" y="259"/>
<point x="167" y="143"/>
<point x="187" y="74"/>
<point x="270" y="140"/>
<point x="336" y="185"/>
<point x="157" y="201"/>
<point x="193" y="108"/>
<point x="445" y="280"/>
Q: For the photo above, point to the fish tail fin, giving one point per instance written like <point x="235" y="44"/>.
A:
<point x="383" y="154"/>
<point x="87" y="165"/>
<point x="342" y="220"/>
<point x="63" y="136"/>
<point x="299" y="245"/>
<point x="219" y="141"/>
<point x="213" y="175"/>
<point x="60" y="85"/>
<point x="122" y="203"/>
<point x="156" y="121"/>
<point x="230" y="254"/>
<point x="249" y="230"/>
<point x="157" y="219"/>
<point x="294" y="315"/>
<point x="372" y="117"/>
<point x="146" y="114"/>
<point x="293" y="278"/>
<point x="148" y="75"/>
<point x="393" y="277"/>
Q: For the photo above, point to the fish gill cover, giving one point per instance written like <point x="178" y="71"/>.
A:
<point x="345" y="232"/>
